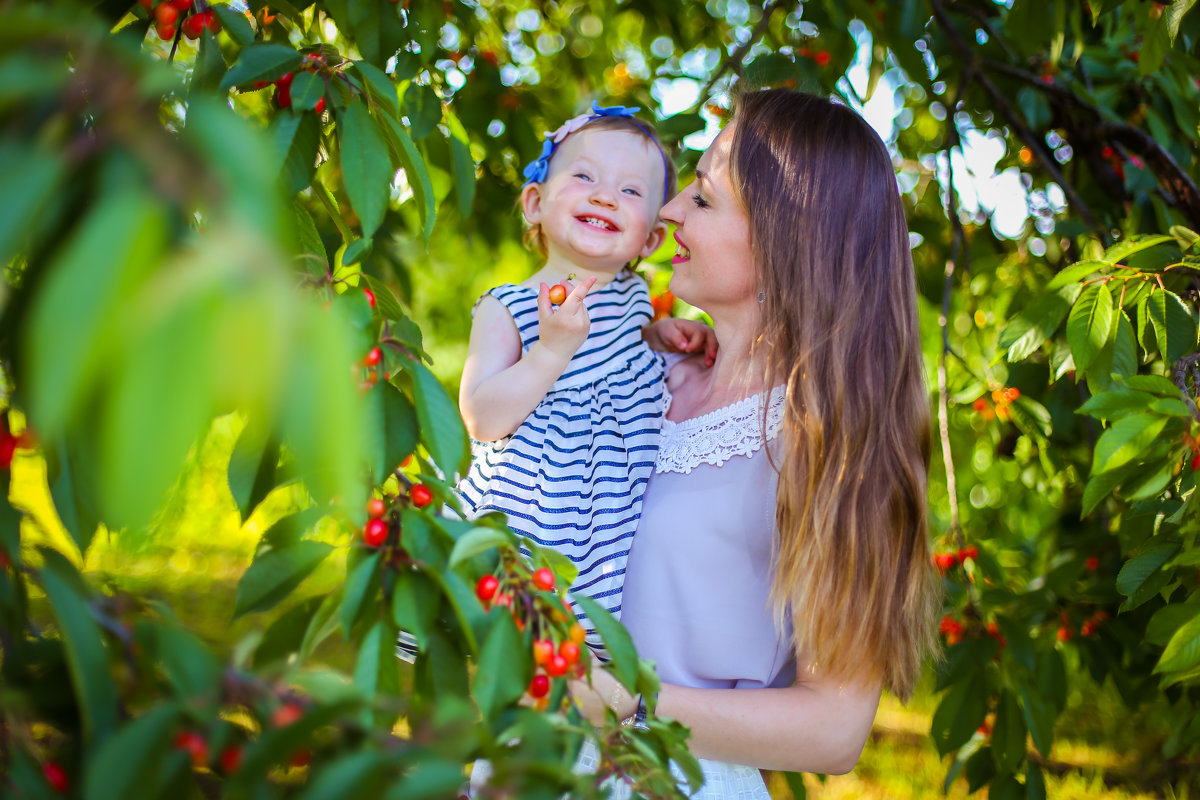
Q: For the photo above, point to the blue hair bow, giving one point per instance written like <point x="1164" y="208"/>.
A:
<point x="537" y="170"/>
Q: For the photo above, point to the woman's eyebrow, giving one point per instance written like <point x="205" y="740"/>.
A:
<point x="701" y="175"/>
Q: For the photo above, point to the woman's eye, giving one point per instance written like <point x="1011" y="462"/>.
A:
<point x="699" y="201"/>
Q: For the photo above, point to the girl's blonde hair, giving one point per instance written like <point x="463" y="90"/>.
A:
<point x="535" y="239"/>
<point x="839" y="328"/>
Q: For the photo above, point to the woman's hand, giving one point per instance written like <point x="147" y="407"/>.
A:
<point x="673" y="335"/>
<point x="605" y="692"/>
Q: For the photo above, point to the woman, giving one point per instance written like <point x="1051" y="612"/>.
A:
<point x="782" y="545"/>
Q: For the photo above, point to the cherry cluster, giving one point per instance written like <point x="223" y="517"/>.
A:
<point x="948" y="560"/>
<point x="1001" y="399"/>
<point x="955" y="630"/>
<point x="557" y="647"/>
<point x="167" y="14"/>
<point x="381" y="524"/>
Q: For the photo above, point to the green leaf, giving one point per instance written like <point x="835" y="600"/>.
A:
<point x="418" y="175"/>
<point x="1008" y="734"/>
<point x="252" y="468"/>
<point x="1116" y="403"/>
<point x="1033" y="326"/>
<point x="1169" y="619"/>
<point x="1039" y="719"/>
<point x="678" y="126"/>
<point x="306" y="243"/>
<point x="295" y="139"/>
<point x="616" y="639"/>
<point x="441" y="426"/>
<point x="366" y="168"/>
<point x="423" y="109"/>
<point x="1183" y="651"/>
<point x="1146" y="561"/>
<point x="1075" y="273"/>
<point x="386" y="304"/>
<point x="1089" y="324"/>
<point x="129" y="763"/>
<point x="31" y="178"/>
<point x="414" y="604"/>
<point x="1035" y="783"/>
<point x="260" y="62"/>
<point x="363" y="577"/>
<point x="236" y="26"/>
<point x="356" y="251"/>
<point x="464" y="173"/>
<point x="73" y="498"/>
<point x="959" y="714"/>
<point x="428" y="780"/>
<point x="1124" y="356"/>
<point x="1173" y="325"/>
<point x="503" y="664"/>
<point x="795" y="784"/>
<point x="1006" y="787"/>
<point x="87" y="660"/>
<point x="307" y="89"/>
<point x="400" y="427"/>
<point x="357" y="774"/>
<point x="190" y="666"/>
<point x="1134" y="244"/>
<point x="209" y="68"/>
<point x="273" y="575"/>
<point x="379" y="86"/>
<point x="285" y="635"/>
<point x="479" y="540"/>
<point x="1126" y="440"/>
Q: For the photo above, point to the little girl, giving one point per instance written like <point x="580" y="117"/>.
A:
<point x="564" y="402"/>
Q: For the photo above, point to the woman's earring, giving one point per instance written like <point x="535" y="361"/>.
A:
<point x="762" y="297"/>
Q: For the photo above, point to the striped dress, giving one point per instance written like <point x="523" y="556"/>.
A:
<point x="571" y="477"/>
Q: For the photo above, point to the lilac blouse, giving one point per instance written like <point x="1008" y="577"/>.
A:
<point x="697" y="586"/>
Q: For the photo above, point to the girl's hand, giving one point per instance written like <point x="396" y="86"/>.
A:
<point x="672" y="335"/>
<point x="604" y="692"/>
<point x="562" y="330"/>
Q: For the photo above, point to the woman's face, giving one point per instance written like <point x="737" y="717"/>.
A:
<point x="713" y="264"/>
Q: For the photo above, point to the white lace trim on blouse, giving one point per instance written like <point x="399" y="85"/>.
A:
<point x="716" y="437"/>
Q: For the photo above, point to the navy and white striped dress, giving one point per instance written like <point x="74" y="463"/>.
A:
<point x="571" y="477"/>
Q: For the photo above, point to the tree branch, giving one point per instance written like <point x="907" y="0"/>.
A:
<point x="735" y="59"/>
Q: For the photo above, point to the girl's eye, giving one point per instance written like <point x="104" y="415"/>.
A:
<point x="583" y="175"/>
<point x="632" y="191"/>
<point x="699" y="201"/>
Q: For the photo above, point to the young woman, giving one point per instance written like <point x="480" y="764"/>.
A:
<point x="780" y="572"/>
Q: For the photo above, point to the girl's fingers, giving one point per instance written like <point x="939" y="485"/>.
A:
<point x="580" y="291"/>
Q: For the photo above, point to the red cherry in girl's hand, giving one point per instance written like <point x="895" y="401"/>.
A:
<point x="543" y="579"/>
<point x="558" y="294"/>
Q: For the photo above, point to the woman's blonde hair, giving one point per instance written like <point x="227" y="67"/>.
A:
<point x="839" y="328"/>
<point x="535" y="238"/>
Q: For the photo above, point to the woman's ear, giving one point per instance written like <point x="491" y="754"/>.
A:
<point x="531" y="203"/>
<point x="658" y="234"/>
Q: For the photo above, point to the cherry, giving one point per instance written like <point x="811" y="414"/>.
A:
<point x="147" y="4"/>
<point x="486" y="588"/>
<point x="420" y="495"/>
<point x="193" y="26"/>
<point x="165" y="13"/>
<point x="56" y="776"/>
<point x="210" y="20"/>
<point x="543" y="579"/>
<point x="166" y="32"/>
<point x="376" y="508"/>
<point x="944" y="561"/>
<point x="194" y="745"/>
<point x="301" y="758"/>
<point x="556" y="666"/>
<point x="539" y="686"/>
<point x="231" y="759"/>
<point x="370" y="297"/>
<point x="374" y="355"/>
<point x="822" y="58"/>
<point x="558" y="294"/>
<point x="971" y="552"/>
<point x="543" y="651"/>
<point x="375" y="532"/>
<point x="1092" y="564"/>
<point x="576" y="634"/>
<point x="8" y="447"/>
<point x="286" y="714"/>
<point x="569" y="651"/>
<point x="320" y="106"/>
<point x="1195" y="460"/>
<point x="506" y="601"/>
<point x="1064" y="633"/>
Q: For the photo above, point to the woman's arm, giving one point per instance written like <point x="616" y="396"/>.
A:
<point x="811" y="726"/>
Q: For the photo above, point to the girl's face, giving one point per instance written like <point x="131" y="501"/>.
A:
<point x="598" y="207"/>
<point x="713" y="264"/>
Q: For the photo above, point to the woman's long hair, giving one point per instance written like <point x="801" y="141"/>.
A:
<point x="839" y="328"/>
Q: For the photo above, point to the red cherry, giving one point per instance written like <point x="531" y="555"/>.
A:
<point x="506" y="601"/>
<point x="1195" y="460"/>
<point x="193" y="26"/>
<point x="285" y="81"/>
<point x="1092" y="564"/>
<point x="539" y="686"/>
<point x="543" y="651"/>
<point x="8" y="446"/>
<point x="376" y="508"/>
<point x="543" y="579"/>
<point x="370" y="297"/>
<point x="194" y="745"/>
<point x="320" y="106"/>
<point x="374" y="355"/>
<point x="147" y="4"/>
<point x="556" y="666"/>
<point x="56" y="776"/>
<point x="301" y="758"/>
<point x="420" y="495"/>
<point x="486" y="588"/>
<point x="558" y="294"/>
<point x="577" y="634"/>
<point x="375" y="532"/>
<point x="165" y="13"/>
<point x="231" y="759"/>
<point x="823" y="58"/>
<point x="181" y="5"/>
<point x="286" y="714"/>
<point x="166" y="32"/>
<point x="210" y="20"/>
<point x="569" y="651"/>
<point x="944" y="561"/>
<point x="1064" y="633"/>
<point x="971" y="552"/>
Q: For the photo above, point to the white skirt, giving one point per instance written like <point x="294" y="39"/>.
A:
<point x="722" y="781"/>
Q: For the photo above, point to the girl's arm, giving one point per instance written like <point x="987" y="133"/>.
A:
<point x="500" y="388"/>
<point x="814" y="725"/>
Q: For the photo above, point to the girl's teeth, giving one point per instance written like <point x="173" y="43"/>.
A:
<point x="599" y="223"/>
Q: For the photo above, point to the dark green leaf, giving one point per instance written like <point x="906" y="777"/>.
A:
<point x="354" y="775"/>
<point x="356" y="251"/>
<point x="414" y="604"/>
<point x="1126" y="440"/>
<point x="1148" y="559"/>
<point x="423" y="109"/>
<point x="238" y="28"/>
<point x="366" y="168"/>
<point x="617" y="641"/>
<point x="1168" y="619"/>
<point x="1033" y="326"/>
<point x="295" y="139"/>
<point x="190" y="666"/>
<point x="210" y="65"/>
<point x="959" y="714"/>
<point x="31" y="176"/>
<point x="361" y="583"/>
<point x="1134" y="244"/>
<point x="307" y="89"/>
<point x="252" y="468"/>
<point x="680" y="125"/>
<point x="503" y="664"/>
<point x="479" y="540"/>
<point x="417" y="172"/>
<point x="273" y="575"/>
<point x="260" y="62"/>
<point x="1039" y="718"/>
<point x="1173" y="325"/>
<point x="285" y="636"/>
<point x="441" y="426"/>
<point x="464" y="173"/>
<point x="1183" y="651"/>
<point x="127" y="765"/>
<point x="1089" y="324"/>
<point x="380" y="86"/>
<point x="1008" y="734"/>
